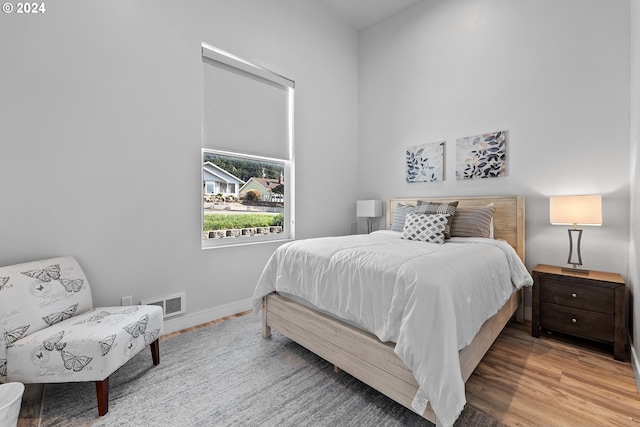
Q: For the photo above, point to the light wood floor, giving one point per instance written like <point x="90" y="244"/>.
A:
<point x="552" y="381"/>
<point x="522" y="381"/>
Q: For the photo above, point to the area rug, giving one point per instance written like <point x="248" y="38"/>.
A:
<point x="226" y="374"/>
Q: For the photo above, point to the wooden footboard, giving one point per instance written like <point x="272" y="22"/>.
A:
<point x="364" y="356"/>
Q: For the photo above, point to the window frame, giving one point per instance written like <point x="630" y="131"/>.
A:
<point x="288" y="234"/>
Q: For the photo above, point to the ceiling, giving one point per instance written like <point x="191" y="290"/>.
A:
<point x="362" y="13"/>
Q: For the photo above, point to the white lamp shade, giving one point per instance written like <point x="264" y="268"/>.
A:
<point x="574" y="210"/>
<point x="369" y="208"/>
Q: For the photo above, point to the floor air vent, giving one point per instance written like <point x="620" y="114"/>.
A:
<point x="171" y="305"/>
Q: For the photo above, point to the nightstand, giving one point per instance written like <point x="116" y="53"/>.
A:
<point x="590" y="306"/>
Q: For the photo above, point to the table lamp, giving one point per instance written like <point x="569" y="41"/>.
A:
<point x="369" y="209"/>
<point x="575" y="210"/>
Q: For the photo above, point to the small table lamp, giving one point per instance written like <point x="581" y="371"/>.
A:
<point x="575" y="210"/>
<point x="369" y="209"/>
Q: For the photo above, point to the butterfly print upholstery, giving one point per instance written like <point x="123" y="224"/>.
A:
<point x="72" y="285"/>
<point x="65" y="314"/>
<point x="47" y="310"/>
<point x="77" y="363"/>
<point x="107" y="343"/>
<point x="46" y="274"/>
<point x="14" y="334"/>
<point x="137" y="328"/>
<point x="53" y="342"/>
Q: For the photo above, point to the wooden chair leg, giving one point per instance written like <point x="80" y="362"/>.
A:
<point x="155" y="352"/>
<point x="102" y="391"/>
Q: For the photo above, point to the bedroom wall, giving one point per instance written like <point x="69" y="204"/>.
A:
<point x="101" y="123"/>
<point x="634" y="247"/>
<point x="555" y="75"/>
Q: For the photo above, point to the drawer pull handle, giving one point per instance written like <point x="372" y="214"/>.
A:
<point x="574" y="295"/>
<point x="574" y="320"/>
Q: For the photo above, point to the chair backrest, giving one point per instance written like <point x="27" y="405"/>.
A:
<point x="38" y="294"/>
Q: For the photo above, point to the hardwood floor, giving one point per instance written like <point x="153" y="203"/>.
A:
<point x="31" y="405"/>
<point x="552" y="381"/>
<point x="522" y="381"/>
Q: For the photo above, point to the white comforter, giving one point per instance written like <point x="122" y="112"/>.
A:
<point x="429" y="299"/>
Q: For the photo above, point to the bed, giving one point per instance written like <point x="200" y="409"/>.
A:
<point x="382" y="348"/>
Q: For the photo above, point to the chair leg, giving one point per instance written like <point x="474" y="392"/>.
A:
<point x="155" y="352"/>
<point x="102" y="391"/>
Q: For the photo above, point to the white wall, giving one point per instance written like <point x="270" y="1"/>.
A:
<point x="100" y="144"/>
<point x="634" y="247"/>
<point x="554" y="74"/>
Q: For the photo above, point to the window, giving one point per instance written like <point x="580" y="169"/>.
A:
<point x="247" y="152"/>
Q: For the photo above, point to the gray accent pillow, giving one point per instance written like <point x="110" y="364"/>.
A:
<point x="473" y="221"/>
<point x="448" y="208"/>
<point x="400" y="215"/>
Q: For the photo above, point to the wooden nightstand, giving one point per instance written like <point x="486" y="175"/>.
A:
<point x="590" y="306"/>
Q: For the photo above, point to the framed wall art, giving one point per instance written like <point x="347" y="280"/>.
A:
<point x="425" y="163"/>
<point x="482" y="156"/>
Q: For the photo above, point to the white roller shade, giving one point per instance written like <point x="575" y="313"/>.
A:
<point x="245" y="107"/>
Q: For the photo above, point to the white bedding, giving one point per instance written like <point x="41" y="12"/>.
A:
<point x="429" y="299"/>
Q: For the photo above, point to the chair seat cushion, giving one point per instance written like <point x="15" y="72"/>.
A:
<point x="86" y="347"/>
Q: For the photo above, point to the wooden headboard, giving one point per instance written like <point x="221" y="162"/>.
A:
<point x="508" y="219"/>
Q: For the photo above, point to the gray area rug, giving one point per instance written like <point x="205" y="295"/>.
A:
<point x="228" y="375"/>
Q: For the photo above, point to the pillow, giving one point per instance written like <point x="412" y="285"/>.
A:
<point x="439" y="208"/>
<point x="425" y="227"/>
<point x="473" y="221"/>
<point x="400" y="215"/>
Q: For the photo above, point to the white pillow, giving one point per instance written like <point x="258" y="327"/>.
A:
<point x="425" y="227"/>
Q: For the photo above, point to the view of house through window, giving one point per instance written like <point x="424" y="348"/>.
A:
<point x="242" y="196"/>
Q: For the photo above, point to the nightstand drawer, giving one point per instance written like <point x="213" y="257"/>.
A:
<point x="577" y="322"/>
<point x="578" y="295"/>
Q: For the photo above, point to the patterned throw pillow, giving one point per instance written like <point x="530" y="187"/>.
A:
<point x="440" y="208"/>
<point x="425" y="227"/>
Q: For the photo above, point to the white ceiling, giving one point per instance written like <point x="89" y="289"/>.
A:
<point x="362" y="13"/>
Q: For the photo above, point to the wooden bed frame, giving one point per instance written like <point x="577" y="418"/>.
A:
<point x="363" y="355"/>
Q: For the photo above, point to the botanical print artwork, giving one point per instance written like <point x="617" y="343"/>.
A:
<point x="425" y="163"/>
<point x="481" y="156"/>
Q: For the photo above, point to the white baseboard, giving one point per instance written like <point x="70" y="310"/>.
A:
<point x="635" y="364"/>
<point x="194" y="319"/>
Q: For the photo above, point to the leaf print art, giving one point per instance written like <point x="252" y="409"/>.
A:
<point x="425" y="163"/>
<point x="482" y="156"/>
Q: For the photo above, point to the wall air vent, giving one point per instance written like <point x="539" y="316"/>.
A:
<point x="171" y="305"/>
